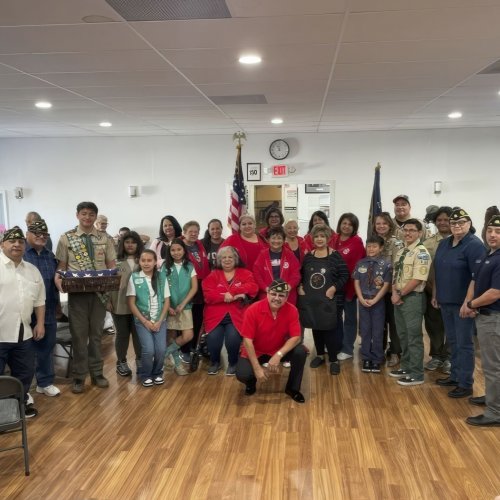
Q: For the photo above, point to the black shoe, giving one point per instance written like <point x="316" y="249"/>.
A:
<point x="250" y="389"/>
<point x="296" y="396"/>
<point x="367" y="366"/>
<point x="78" y="386"/>
<point x="30" y="411"/>
<point x="482" y="421"/>
<point x="446" y="382"/>
<point x="375" y="368"/>
<point x="334" y="368"/>
<point x="478" y="401"/>
<point x="100" y="381"/>
<point x="317" y="362"/>
<point x="460" y="392"/>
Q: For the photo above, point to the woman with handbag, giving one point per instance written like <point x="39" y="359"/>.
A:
<point x="324" y="274"/>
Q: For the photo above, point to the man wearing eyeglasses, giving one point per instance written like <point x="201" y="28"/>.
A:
<point x="271" y="334"/>
<point x="44" y="260"/>
<point x="411" y="271"/>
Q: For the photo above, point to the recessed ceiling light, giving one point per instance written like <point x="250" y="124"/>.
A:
<point x="250" y="59"/>
<point x="43" y="104"/>
<point x="277" y="121"/>
<point x="455" y="115"/>
<point x="105" y="124"/>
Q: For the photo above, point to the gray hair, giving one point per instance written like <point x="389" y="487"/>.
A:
<point x="226" y="249"/>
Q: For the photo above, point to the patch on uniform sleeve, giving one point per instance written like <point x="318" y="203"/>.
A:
<point x="423" y="271"/>
<point x="423" y="257"/>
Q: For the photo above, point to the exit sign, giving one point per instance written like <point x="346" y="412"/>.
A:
<point x="280" y="171"/>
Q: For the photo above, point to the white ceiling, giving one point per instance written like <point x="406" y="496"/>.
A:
<point x="328" y="65"/>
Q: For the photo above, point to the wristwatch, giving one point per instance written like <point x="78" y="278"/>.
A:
<point x="469" y="304"/>
<point x="280" y="354"/>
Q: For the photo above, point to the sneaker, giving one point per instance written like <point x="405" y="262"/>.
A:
<point x="393" y="360"/>
<point x="78" y="386"/>
<point x="180" y="370"/>
<point x="334" y="368"/>
<point x="214" y="368"/>
<point x="342" y="356"/>
<point x="398" y="373"/>
<point x="231" y="371"/>
<point x="148" y="382"/>
<point x="286" y="364"/>
<point x="185" y="357"/>
<point x="317" y="362"/>
<point x="123" y="369"/>
<point x="110" y="331"/>
<point x="50" y="390"/>
<point x="158" y="380"/>
<point x="100" y="381"/>
<point x="409" y="381"/>
<point x="446" y="367"/>
<point x="30" y="411"/>
<point x="433" y="364"/>
<point x="30" y="400"/>
<point x="367" y="366"/>
<point x="376" y="368"/>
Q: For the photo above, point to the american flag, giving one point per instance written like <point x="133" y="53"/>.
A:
<point x="238" y="202"/>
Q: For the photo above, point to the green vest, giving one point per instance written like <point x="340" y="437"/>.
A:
<point x="179" y="284"/>
<point x="142" y="295"/>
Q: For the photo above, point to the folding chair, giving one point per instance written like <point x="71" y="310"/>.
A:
<point x="12" y="417"/>
<point x="63" y="338"/>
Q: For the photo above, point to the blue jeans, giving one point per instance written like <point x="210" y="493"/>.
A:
<point x="44" y="367"/>
<point x="153" y="348"/>
<point x="350" y="325"/>
<point x="224" y="332"/>
<point x="459" y="336"/>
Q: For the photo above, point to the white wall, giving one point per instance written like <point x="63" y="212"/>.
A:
<point x="188" y="176"/>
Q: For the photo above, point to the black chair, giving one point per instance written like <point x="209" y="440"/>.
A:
<point x="63" y="338"/>
<point x="12" y="417"/>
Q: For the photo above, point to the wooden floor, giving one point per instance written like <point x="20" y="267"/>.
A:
<point x="359" y="436"/>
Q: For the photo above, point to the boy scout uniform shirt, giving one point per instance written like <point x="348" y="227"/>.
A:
<point x="104" y="250"/>
<point x="391" y="247"/>
<point x="415" y="264"/>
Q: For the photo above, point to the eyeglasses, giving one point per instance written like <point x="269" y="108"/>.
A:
<point x="41" y="235"/>
<point x="277" y="295"/>
<point x="410" y="230"/>
<point x="459" y="223"/>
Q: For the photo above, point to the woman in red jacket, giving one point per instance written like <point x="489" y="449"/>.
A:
<point x="319" y="217"/>
<point x="227" y="290"/>
<point x="275" y="262"/>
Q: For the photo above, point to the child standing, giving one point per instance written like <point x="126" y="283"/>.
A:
<point x="372" y="277"/>
<point x="148" y="299"/>
<point x="183" y="285"/>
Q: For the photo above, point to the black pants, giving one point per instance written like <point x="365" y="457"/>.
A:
<point x="20" y="356"/>
<point x="297" y="357"/>
<point x="197" y="312"/>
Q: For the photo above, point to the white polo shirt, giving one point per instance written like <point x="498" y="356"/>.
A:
<point x="21" y="289"/>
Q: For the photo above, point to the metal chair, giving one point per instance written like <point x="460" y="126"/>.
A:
<point x="63" y="338"/>
<point x="12" y="418"/>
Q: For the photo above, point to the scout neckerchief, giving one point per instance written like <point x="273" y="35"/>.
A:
<point x="399" y="266"/>
<point x="82" y="248"/>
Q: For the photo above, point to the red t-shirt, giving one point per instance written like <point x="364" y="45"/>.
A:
<point x="269" y="334"/>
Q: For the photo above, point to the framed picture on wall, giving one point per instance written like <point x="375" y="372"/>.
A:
<point x="254" y="171"/>
<point x="317" y="188"/>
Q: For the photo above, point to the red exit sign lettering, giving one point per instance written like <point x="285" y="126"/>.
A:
<point x="280" y="171"/>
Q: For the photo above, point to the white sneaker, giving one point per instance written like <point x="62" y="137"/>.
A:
<point x="342" y="356"/>
<point x="30" y="400"/>
<point x="50" y="390"/>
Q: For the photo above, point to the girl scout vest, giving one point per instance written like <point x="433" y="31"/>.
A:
<point x="142" y="294"/>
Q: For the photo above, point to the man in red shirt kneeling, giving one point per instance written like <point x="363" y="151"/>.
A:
<point x="271" y="334"/>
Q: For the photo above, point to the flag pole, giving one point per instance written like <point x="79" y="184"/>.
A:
<point x="238" y="193"/>
<point x="376" y="200"/>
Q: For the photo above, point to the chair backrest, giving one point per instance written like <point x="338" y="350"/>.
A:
<point x="11" y="387"/>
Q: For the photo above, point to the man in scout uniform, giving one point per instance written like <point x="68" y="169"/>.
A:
<point x="22" y="292"/>
<point x="410" y="274"/>
<point x="82" y="249"/>
<point x="483" y="303"/>
<point x="44" y="260"/>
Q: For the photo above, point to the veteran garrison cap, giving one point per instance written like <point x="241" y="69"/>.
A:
<point x="494" y="221"/>
<point x="279" y="285"/>
<point x="459" y="213"/>
<point x="15" y="233"/>
<point x="38" y="226"/>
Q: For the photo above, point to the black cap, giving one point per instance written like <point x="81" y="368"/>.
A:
<point x="279" y="285"/>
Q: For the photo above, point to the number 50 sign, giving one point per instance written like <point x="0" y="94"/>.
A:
<point x="254" y="171"/>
